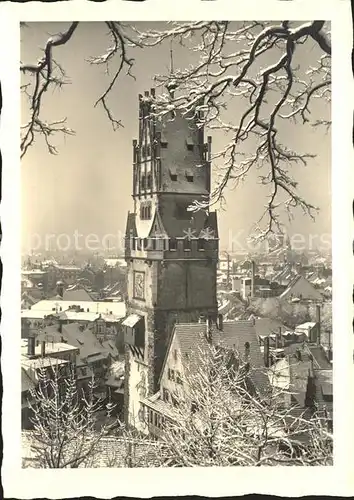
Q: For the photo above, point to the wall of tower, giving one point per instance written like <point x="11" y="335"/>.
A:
<point x="187" y="285"/>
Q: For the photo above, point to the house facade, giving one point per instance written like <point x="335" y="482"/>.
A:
<point x="176" y="376"/>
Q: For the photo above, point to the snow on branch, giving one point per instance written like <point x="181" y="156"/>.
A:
<point x="257" y="65"/>
<point x="221" y="418"/>
<point x="250" y="81"/>
<point x="44" y="74"/>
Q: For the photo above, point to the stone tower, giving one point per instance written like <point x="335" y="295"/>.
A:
<point x="171" y="252"/>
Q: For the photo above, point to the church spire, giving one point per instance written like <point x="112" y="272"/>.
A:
<point x="171" y="85"/>
<point x="171" y="58"/>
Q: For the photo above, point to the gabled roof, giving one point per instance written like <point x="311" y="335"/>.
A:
<point x="28" y="382"/>
<point x="84" y="340"/>
<point x="78" y="294"/>
<point x="157" y="227"/>
<point x="294" y="281"/>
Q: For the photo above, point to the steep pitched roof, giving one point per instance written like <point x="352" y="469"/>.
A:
<point x="78" y="294"/>
<point x="27" y="382"/>
<point x="235" y="335"/>
<point x="85" y="340"/>
<point x="294" y="281"/>
<point x="319" y="355"/>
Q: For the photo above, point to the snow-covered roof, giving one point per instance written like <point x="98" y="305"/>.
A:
<point x="131" y="320"/>
<point x="113" y="262"/>
<point x="306" y="326"/>
<point x="49" y="306"/>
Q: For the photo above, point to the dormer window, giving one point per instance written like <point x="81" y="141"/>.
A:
<point x="173" y="175"/>
<point x="163" y="144"/>
<point x="189" y="177"/>
<point x="190" y="145"/>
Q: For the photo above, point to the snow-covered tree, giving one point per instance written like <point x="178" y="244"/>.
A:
<point x="65" y="432"/>
<point x="221" y="419"/>
<point x="256" y="67"/>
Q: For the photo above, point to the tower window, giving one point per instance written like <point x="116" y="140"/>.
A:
<point x="173" y="244"/>
<point x="145" y="211"/>
<point x="148" y="181"/>
<point x="143" y="181"/>
<point x="189" y="177"/>
<point x="201" y="244"/>
<point x="187" y="244"/>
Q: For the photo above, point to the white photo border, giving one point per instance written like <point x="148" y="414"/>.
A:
<point x="214" y="482"/>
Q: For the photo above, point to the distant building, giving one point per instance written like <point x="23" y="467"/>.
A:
<point x="34" y="278"/>
<point x="300" y="288"/>
<point x="305" y="377"/>
<point x="44" y="356"/>
<point x="59" y="272"/>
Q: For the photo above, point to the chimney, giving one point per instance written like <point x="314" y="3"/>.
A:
<point x="278" y="338"/>
<point x="266" y="352"/>
<point x="220" y="322"/>
<point x="31" y="346"/>
<point x="152" y="92"/>
<point x="247" y="352"/>
<point x="43" y="348"/>
<point x="253" y="272"/>
<point x="318" y="321"/>
<point x="146" y="93"/>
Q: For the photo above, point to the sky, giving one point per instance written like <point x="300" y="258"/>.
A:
<point x="87" y="187"/>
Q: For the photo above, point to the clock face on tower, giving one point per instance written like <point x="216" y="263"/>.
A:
<point x="139" y="285"/>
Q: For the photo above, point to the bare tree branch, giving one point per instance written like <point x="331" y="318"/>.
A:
<point x="229" y="68"/>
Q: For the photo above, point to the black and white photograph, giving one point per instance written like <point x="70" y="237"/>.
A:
<point x="176" y="285"/>
<point x="177" y="278"/>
